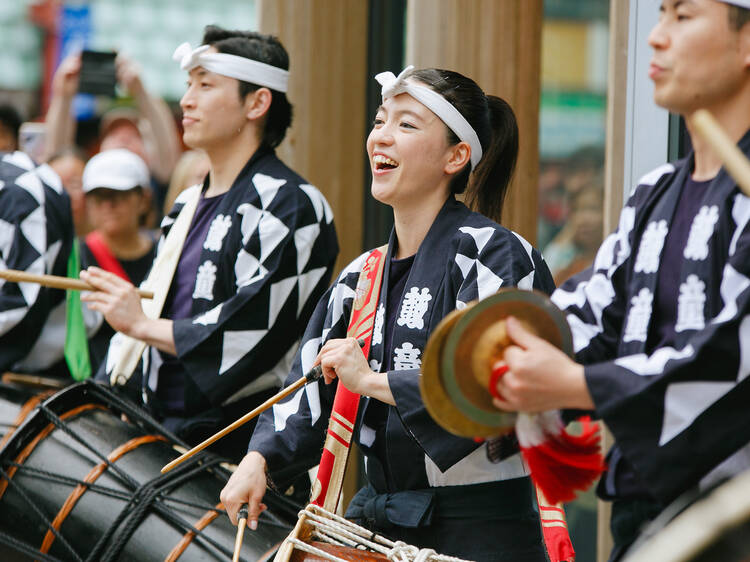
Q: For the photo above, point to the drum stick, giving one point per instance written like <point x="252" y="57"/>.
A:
<point x="312" y="375"/>
<point x="732" y="157"/>
<point x="241" y="522"/>
<point x="56" y="282"/>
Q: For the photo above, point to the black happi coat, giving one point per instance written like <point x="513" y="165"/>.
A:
<point x="36" y="233"/>
<point x="269" y="258"/>
<point x="676" y="411"/>
<point x="465" y="256"/>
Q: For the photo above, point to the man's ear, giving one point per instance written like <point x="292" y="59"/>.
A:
<point x="459" y="156"/>
<point x="257" y="103"/>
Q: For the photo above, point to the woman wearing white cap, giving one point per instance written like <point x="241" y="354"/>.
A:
<point x="113" y="184"/>
<point x="435" y="135"/>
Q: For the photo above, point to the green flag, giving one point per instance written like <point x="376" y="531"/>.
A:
<point x="76" y="343"/>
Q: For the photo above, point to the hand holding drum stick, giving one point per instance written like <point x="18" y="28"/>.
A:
<point x="56" y="282"/>
<point x="311" y="376"/>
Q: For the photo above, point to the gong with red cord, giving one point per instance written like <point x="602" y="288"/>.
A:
<point x="460" y="354"/>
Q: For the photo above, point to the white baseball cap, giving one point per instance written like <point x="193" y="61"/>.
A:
<point x="117" y="169"/>
<point x="740" y="3"/>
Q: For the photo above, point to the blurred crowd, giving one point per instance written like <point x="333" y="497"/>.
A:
<point x="571" y="198"/>
<point x="121" y="182"/>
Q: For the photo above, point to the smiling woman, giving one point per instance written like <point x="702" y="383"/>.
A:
<point x="436" y="134"/>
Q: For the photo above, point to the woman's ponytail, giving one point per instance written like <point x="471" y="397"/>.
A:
<point x="489" y="182"/>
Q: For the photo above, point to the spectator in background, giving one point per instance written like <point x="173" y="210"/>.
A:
<point x="574" y="247"/>
<point x="69" y="164"/>
<point x="553" y="205"/>
<point x="559" y="181"/>
<point x="10" y="123"/>
<point x="113" y="183"/>
<point x="149" y="131"/>
<point x="192" y="168"/>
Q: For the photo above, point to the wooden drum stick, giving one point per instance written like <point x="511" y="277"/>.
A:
<point x="312" y="375"/>
<point x="241" y="522"/>
<point x="56" y="282"/>
<point x="734" y="161"/>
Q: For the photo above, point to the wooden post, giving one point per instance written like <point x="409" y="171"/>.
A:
<point x="498" y="44"/>
<point x="614" y="172"/>
<point x="327" y="45"/>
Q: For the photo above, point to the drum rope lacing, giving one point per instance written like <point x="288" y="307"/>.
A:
<point x="331" y="528"/>
<point x="141" y="498"/>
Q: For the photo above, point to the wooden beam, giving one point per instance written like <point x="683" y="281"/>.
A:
<point x="497" y="44"/>
<point x="327" y="45"/>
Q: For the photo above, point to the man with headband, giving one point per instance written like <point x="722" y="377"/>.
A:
<point x="244" y="258"/>
<point x="660" y="320"/>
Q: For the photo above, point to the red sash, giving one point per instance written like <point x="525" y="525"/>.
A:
<point x="104" y="256"/>
<point x="330" y="477"/>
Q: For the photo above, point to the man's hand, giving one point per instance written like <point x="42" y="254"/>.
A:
<point x="246" y="485"/>
<point x="67" y="75"/>
<point x="116" y="299"/>
<point x="540" y="376"/>
<point x="129" y="75"/>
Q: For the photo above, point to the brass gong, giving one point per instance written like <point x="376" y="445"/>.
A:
<point x="461" y="352"/>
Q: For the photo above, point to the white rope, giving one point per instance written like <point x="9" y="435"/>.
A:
<point x="333" y="529"/>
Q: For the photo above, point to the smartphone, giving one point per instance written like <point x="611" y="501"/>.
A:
<point x="31" y="139"/>
<point x="98" y="73"/>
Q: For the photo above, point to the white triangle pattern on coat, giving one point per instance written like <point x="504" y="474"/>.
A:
<point x="304" y="240"/>
<point x="235" y="345"/>
<point x="279" y="294"/>
<point x="267" y="188"/>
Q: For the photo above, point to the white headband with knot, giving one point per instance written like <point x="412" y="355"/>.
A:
<point x="241" y="68"/>
<point x="445" y="110"/>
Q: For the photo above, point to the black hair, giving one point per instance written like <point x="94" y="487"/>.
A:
<point x="263" y="48"/>
<point x="495" y="124"/>
<point x="738" y="17"/>
<point x="10" y="120"/>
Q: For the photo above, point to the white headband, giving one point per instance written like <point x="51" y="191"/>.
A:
<point x="234" y="66"/>
<point x="445" y="110"/>
<point x="740" y="3"/>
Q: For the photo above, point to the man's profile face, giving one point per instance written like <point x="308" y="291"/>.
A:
<point x="212" y="110"/>
<point x="697" y="60"/>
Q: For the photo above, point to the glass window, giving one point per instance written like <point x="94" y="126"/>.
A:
<point x="575" y="41"/>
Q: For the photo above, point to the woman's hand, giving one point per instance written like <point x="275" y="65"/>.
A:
<point x="246" y="486"/>
<point x="343" y="359"/>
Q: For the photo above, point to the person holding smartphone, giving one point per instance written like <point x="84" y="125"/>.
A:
<point x="152" y="116"/>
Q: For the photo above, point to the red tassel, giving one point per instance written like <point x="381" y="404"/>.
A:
<point x="560" y="463"/>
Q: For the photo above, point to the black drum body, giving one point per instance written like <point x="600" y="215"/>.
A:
<point x="78" y="482"/>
